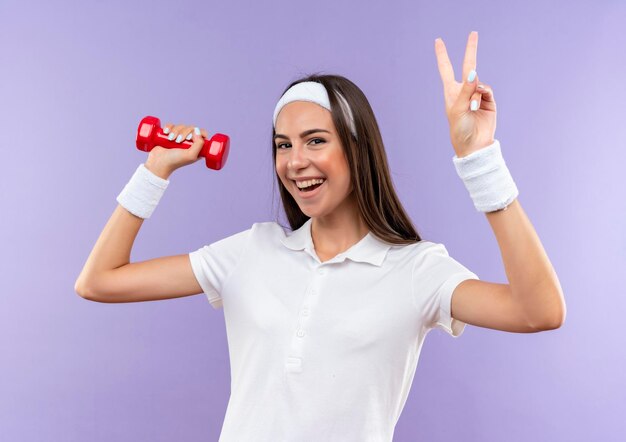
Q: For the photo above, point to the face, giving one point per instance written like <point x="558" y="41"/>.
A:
<point x="312" y="155"/>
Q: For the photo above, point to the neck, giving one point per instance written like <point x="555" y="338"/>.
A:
<point x="337" y="232"/>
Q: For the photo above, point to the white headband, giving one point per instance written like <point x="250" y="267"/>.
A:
<point x="316" y="93"/>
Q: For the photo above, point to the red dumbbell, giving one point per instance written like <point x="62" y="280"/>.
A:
<point x="150" y="134"/>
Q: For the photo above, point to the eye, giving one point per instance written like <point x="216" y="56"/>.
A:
<point x="278" y="146"/>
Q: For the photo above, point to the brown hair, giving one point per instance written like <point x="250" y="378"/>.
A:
<point x="378" y="203"/>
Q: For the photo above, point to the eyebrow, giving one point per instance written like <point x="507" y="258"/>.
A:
<point x="302" y="135"/>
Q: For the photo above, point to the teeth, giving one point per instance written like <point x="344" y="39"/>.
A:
<point x="304" y="184"/>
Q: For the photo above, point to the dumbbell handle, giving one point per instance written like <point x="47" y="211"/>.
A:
<point x="150" y="134"/>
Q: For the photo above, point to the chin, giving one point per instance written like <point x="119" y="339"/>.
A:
<point x="311" y="213"/>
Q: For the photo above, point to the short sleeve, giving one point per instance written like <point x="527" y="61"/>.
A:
<point x="213" y="264"/>
<point x="435" y="276"/>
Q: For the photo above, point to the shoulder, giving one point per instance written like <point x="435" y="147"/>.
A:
<point x="266" y="233"/>
<point x="422" y="256"/>
<point x="268" y="229"/>
<point x="405" y="257"/>
<point x="258" y="236"/>
<point x="417" y="249"/>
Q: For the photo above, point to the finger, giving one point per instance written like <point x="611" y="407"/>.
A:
<point x="181" y="133"/>
<point x="187" y="133"/>
<point x="468" y="89"/>
<point x="174" y="131"/>
<point x="446" y="71"/>
<point x="204" y="133"/>
<point x="487" y="98"/>
<point x="469" y="62"/>
<point x="166" y="128"/>
<point x="475" y="102"/>
<point x="485" y="90"/>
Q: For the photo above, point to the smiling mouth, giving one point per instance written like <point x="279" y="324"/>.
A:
<point x="308" y="189"/>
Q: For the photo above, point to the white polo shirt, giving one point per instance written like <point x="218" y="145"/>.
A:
<point x="323" y="351"/>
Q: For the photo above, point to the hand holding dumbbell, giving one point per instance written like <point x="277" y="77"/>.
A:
<point x="180" y="146"/>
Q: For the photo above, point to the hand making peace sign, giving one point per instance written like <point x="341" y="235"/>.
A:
<point x="470" y="105"/>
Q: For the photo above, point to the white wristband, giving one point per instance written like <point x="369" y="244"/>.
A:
<point x="142" y="193"/>
<point x="487" y="178"/>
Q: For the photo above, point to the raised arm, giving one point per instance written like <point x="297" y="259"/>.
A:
<point x="108" y="275"/>
<point x="533" y="299"/>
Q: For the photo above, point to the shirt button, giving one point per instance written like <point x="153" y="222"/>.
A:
<point x="300" y="333"/>
<point x="321" y="271"/>
<point x="305" y="312"/>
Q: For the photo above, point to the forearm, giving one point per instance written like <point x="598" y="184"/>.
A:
<point x="114" y="245"/>
<point x="532" y="279"/>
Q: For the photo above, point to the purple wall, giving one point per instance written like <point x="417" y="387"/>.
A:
<point x="73" y="370"/>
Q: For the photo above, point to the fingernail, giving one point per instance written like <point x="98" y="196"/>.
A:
<point x="197" y="131"/>
<point x="480" y="86"/>
<point x="179" y="138"/>
<point x="171" y="136"/>
<point x="189" y="136"/>
<point x="471" y="76"/>
<point x="166" y="130"/>
<point x="474" y="105"/>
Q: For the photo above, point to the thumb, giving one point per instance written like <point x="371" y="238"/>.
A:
<point x="469" y="88"/>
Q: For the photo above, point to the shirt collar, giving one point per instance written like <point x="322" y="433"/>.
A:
<point x="369" y="249"/>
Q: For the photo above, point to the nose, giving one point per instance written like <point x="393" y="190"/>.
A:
<point x="297" y="158"/>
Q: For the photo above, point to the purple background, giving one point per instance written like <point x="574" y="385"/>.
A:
<point x="76" y="78"/>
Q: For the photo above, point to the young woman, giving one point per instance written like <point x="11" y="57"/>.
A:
<point x="325" y="323"/>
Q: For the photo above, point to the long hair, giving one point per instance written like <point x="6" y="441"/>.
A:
<point x="378" y="203"/>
